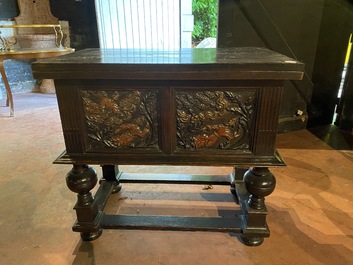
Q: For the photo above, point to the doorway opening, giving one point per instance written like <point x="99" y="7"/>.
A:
<point x="157" y="24"/>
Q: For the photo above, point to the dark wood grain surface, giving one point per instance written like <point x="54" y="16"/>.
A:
<point x="190" y="64"/>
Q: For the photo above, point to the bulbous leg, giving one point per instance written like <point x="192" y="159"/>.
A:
<point x="259" y="182"/>
<point x="81" y="179"/>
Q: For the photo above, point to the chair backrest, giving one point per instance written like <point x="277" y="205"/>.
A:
<point x="35" y="12"/>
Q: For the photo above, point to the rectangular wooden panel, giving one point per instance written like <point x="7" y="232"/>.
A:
<point x="120" y="119"/>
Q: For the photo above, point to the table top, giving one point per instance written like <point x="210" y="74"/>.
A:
<point x="30" y="53"/>
<point x="221" y="63"/>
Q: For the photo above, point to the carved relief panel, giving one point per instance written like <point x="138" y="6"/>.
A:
<point x="121" y="119"/>
<point x="218" y="120"/>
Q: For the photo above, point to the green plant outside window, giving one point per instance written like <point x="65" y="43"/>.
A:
<point x="205" y="19"/>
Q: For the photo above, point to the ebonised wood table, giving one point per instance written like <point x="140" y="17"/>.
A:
<point x="200" y="107"/>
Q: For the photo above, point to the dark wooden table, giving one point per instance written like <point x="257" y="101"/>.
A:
<point x="202" y="107"/>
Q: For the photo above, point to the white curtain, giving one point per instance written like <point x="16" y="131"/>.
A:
<point x="145" y="24"/>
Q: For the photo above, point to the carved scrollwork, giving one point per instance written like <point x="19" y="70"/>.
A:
<point x="214" y="119"/>
<point x="121" y="119"/>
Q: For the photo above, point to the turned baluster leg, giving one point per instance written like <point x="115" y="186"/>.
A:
<point x="110" y="173"/>
<point x="259" y="182"/>
<point x="81" y="180"/>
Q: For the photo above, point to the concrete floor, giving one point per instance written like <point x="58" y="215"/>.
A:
<point x="310" y="212"/>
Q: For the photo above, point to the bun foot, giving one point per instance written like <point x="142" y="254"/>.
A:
<point x="252" y="241"/>
<point x="90" y="236"/>
<point x="117" y="187"/>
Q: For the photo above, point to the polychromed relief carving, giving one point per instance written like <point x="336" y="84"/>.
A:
<point x="214" y="119"/>
<point x="121" y="119"/>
